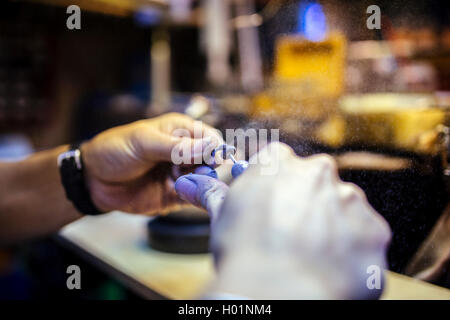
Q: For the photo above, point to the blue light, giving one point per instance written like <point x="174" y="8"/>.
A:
<point x="147" y="16"/>
<point x="312" y="22"/>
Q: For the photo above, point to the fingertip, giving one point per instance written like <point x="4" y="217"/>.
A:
<point x="186" y="188"/>
<point x="207" y="171"/>
<point x="193" y="187"/>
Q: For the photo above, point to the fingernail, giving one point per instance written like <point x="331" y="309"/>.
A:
<point x="207" y="171"/>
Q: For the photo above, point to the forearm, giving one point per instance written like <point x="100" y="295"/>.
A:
<point x="32" y="198"/>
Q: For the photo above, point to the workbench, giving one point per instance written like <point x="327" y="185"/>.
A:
<point x="117" y="244"/>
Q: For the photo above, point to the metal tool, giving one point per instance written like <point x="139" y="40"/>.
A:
<point x="228" y="152"/>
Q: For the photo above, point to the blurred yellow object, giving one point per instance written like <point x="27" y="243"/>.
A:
<point x="401" y="121"/>
<point x="318" y="65"/>
<point x="332" y="131"/>
<point x="289" y="100"/>
<point x="308" y="78"/>
<point x="410" y="126"/>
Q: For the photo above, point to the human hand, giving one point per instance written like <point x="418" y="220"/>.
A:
<point x="298" y="233"/>
<point x="129" y="167"/>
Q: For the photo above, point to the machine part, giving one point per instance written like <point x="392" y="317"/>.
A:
<point x="217" y="39"/>
<point x="225" y="151"/>
<point x="160" y="74"/>
<point x="444" y="141"/>
<point x="185" y="231"/>
<point x="249" y="48"/>
<point x="228" y="152"/>
<point x="408" y="192"/>
<point x="431" y="262"/>
<point x="444" y="135"/>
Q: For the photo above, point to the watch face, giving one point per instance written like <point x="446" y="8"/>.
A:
<point x="71" y="154"/>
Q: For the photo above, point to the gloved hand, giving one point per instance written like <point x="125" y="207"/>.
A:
<point x="130" y="167"/>
<point x="296" y="232"/>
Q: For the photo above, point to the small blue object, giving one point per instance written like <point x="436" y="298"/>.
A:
<point x="238" y="168"/>
<point x="147" y="16"/>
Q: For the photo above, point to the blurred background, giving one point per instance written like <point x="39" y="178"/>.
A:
<point x="376" y="99"/>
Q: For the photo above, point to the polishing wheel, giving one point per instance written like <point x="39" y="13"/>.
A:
<point x="185" y="231"/>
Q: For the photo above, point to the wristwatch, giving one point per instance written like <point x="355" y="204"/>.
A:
<point x="70" y="164"/>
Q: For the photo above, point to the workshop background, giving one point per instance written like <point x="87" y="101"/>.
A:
<point x="376" y="99"/>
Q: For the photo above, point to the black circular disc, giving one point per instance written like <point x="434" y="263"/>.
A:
<point x="184" y="231"/>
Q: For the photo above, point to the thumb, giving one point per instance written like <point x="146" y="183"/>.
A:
<point x="203" y="191"/>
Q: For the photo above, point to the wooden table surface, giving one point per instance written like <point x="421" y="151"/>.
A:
<point x="116" y="243"/>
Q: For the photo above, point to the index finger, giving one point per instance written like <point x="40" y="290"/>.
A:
<point x="197" y="129"/>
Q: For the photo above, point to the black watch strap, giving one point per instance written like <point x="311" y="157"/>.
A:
<point x="71" y="170"/>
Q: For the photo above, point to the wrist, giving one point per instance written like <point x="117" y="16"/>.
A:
<point x="73" y="174"/>
<point x="92" y="183"/>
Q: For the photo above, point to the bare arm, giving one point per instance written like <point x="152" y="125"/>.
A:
<point x="32" y="199"/>
<point x="126" y="168"/>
